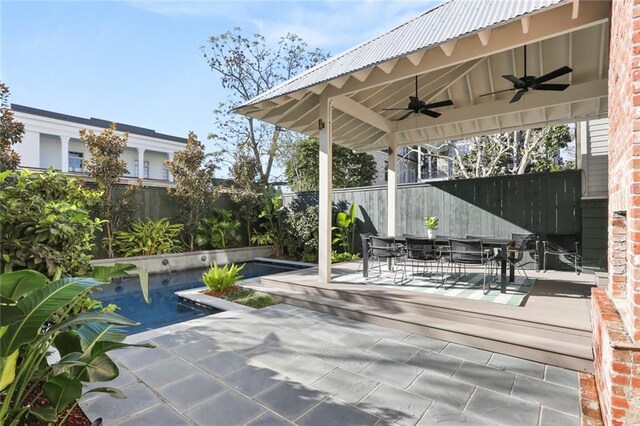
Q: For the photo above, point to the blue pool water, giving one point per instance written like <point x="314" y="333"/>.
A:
<point x="164" y="307"/>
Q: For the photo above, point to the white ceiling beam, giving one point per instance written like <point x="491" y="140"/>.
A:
<point x="285" y="111"/>
<point x="484" y="37"/>
<point x="416" y="57"/>
<point x="460" y="72"/>
<point x="339" y="82"/>
<point x="362" y="74"/>
<point x="552" y="23"/>
<point x="388" y="66"/>
<point x="526" y="23"/>
<point x="298" y="115"/>
<point x="318" y="88"/>
<point x="409" y="139"/>
<point x="298" y="95"/>
<point x="448" y="47"/>
<point x="356" y="110"/>
<point x="575" y="8"/>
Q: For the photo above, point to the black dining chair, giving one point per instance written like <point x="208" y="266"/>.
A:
<point x="422" y="250"/>
<point x="386" y="249"/>
<point x="524" y="244"/>
<point x="365" y="237"/>
<point x="463" y="252"/>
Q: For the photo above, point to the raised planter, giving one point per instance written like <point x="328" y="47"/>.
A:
<point x="189" y="260"/>
<point x="195" y="295"/>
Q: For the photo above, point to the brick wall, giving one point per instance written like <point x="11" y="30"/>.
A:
<point x="617" y="364"/>
<point x="616" y="336"/>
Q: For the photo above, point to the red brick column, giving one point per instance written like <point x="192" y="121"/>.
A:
<point x="616" y="336"/>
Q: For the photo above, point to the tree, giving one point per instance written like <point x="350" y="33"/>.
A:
<point x="349" y="169"/>
<point x="195" y="190"/>
<point x="11" y="131"/>
<point x="515" y="153"/>
<point x="105" y="166"/>
<point x="247" y="67"/>
<point x="246" y="189"/>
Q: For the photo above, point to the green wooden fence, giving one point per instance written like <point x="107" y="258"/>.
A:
<point x="542" y="203"/>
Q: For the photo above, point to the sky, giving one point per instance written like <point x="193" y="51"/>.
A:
<point x="140" y="62"/>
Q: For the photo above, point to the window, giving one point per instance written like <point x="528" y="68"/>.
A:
<point x="146" y="169"/>
<point x="75" y="161"/>
<point x="165" y="173"/>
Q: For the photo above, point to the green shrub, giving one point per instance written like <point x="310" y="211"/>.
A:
<point x="221" y="279"/>
<point x="257" y="300"/>
<point x="38" y="316"/>
<point x="148" y="238"/>
<point x="45" y="224"/>
<point x="302" y="241"/>
<point x="219" y="231"/>
<point x="249" y="297"/>
<point x="343" y="257"/>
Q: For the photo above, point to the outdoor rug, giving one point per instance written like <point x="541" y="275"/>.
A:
<point x="467" y="286"/>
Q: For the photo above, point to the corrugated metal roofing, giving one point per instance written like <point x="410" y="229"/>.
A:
<point x="443" y="23"/>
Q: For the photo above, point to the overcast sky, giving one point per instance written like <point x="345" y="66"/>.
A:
<point x="140" y="62"/>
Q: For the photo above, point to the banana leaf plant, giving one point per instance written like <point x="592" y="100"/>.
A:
<point x="345" y="231"/>
<point x="38" y="317"/>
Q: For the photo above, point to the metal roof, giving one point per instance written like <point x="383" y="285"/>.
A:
<point x="446" y="22"/>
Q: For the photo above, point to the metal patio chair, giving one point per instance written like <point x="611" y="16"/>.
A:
<point x="565" y="246"/>
<point x="422" y="250"/>
<point x="386" y="249"/>
<point x="523" y="244"/>
<point x="463" y="252"/>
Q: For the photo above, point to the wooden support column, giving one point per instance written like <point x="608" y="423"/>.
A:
<point x="392" y="185"/>
<point x="325" y="189"/>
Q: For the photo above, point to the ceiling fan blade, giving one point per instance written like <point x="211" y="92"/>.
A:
<point x="515" y="80"/>
<point x="405" y="116"/>
<point x="430" y="113"/>
<point x="395" y="109"/>
<point x="499" y="91"/>
<point x="553" y="74"/>
<point x="558" y="87"/>
<point x="448" y="102"/>
<point x="517" y="96"/>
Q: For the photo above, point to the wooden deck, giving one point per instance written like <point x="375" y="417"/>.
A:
<point x="553" y="325"/>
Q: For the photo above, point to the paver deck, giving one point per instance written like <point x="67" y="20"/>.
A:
<point x="286" y="365"/>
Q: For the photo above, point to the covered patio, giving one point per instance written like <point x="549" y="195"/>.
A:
<point x="458" y="53"/>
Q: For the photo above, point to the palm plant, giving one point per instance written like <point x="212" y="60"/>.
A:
<point x="221" y="279"/>
<point x="219" y="231"/>
<point x="148" y="238"/>
<point x="345" y="232"/>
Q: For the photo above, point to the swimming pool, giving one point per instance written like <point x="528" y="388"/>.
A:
<point x="164" y="307"/>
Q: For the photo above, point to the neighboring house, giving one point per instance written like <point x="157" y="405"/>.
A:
<point x="52" y="139"/>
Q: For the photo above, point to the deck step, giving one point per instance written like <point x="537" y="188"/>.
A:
<point x="562" y="346"/>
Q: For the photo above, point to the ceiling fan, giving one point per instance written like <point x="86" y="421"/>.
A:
<point x="531" y="82"/>
<point x="416" y="106"/>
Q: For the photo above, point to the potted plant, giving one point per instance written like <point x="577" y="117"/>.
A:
<point x="431" y="223"/>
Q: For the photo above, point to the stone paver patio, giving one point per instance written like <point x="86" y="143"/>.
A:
<point x="285" y="365"/>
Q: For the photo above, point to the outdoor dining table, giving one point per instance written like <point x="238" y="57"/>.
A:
<point x="442" y="242"/>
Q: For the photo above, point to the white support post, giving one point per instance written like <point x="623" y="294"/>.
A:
<point x="392" y="186"/>
<point x="325" y="188"/>
<point x="64" y="159"/>
<point x="140" y="163"/>
<point x="170" y="156"/>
